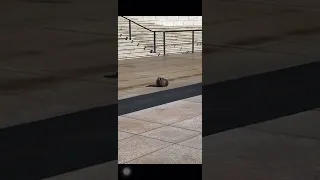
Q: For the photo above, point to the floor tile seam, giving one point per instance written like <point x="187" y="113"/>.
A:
<point x="148" y="138"/>
<point x="126" y="132"/>
<point x="144" y="131"/>
<point x="161" y="123"/>
<point x="125" y="137"/>
<point x="189" y="146"/>
<point x="185" y="128"/>
<point x="133" y="118"/>
<point x="189" y="118"/>
<point x="147" y="154"/>
<point x="164" y="148"/>
<point x="158" y="149"/>
<point x="198" y="133"/>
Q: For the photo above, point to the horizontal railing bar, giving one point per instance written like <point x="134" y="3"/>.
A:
<point x="180" y="30"/>
<point x="137" y="24"/>
<point x="177" y="43"/>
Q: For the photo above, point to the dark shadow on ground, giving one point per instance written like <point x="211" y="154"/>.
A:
<point x="137" y="103"/>
<point x="259" y="98"/>
<point x="152" y="85"/>
<point x="114" y="75"/>
<point x="60" y="144"/>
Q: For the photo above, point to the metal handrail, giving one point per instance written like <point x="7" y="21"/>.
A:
<point x="186" y="30"/>
<point x="136" y="24"/>
<point x="164" y="35"/>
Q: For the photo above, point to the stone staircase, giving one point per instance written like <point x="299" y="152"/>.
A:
<point x="142" y="44"/>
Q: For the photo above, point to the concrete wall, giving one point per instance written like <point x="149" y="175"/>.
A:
<point x="172" y="20"/>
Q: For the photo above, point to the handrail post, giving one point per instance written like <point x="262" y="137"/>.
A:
<point x="154" y="42"/>
<point x="192" y="41"/>
<point x="164" y="43"/>
<point x="130" y="29"/>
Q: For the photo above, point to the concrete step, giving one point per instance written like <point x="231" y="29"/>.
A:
<point x="142" y="40"/>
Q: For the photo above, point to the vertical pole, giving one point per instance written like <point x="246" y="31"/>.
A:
<point x="154" y="42"/>
<point x="129" y="29"/>
<point x="164" y="43"/>
<point x="192" y="41"/>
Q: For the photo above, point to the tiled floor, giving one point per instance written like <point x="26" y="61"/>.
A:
<point x="284" y="148"/>
<point x="166" y="134"/>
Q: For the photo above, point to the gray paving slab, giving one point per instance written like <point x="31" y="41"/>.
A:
<point x="135" y="126"/>
<point x="194" y="124"/>
<point x="304" y="124"/>
<point x="197" y="99"/>
<point x="123" y="135"/>
<point x="171" y="134"/>
<point x="195" y="142"/>
<point x="137" y="146"/>
<point x="173" y="154"/>
<point x="168" y="113"/>
<point x="156" y="128"/>
<point x="245" y="154"/>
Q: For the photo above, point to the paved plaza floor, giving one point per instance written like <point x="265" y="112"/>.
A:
<point x="166" y="134"/>
<point x="144" y="71"/>
<point x="59" y="59"/>
<point x="285" y="148"/>
<point x="169" y="131"/>
<point x="282" y="148"/>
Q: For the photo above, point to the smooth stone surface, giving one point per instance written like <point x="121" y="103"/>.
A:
<point x="168" y="113"/>
<point x="197" y="99"/>
<point x="195" y="142"/>
<point x="194" y="124"/>
<point x="123" y="135"/>
<point x="137" y="146"/>
<point x="135" y="126"/>
<point x="174" y="154"/>
<point x="170" y="134"/>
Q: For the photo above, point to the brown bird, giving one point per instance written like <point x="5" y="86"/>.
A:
<point x="161" y="82"/>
